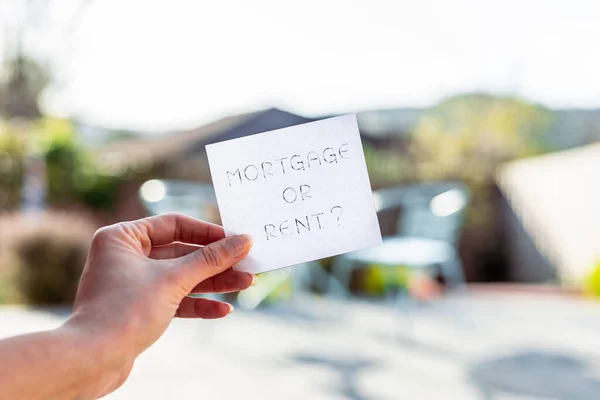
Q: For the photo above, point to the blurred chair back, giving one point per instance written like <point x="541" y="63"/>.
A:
<point x="195" y="199"/>
<point x="432" y="210"/>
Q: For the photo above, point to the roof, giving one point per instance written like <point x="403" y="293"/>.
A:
<point x="175" y="145"/>
<point x="557" y="199"/>
<point x="574" y="128"/>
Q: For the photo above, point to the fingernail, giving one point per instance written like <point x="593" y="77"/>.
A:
<point x="230" y="308"/>
<point x="238" y="245"/>
<point x="254" y="280"/>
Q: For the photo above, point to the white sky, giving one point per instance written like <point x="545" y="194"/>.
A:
<point x="168" y="64"/>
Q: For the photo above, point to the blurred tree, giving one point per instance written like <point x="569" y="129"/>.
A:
<point x="24" y="66"/>
<point x="72" y="174"/>
<point x="466" y="137"/>
<point x="25" y="71"/>
<point x="21" y="83"/>
<point x="11" y="167"/>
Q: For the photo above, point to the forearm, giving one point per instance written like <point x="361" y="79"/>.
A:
<point x="59" y="364"/>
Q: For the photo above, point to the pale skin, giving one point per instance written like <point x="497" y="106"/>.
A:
<point x="136" y="280"/>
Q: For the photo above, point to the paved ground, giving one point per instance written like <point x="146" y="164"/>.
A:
<point x="471" y="347"/>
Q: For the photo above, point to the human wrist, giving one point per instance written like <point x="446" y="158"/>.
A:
<point x="103" y="349"/>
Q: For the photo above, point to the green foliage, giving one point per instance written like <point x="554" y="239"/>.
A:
<point x="72" y="175"/>
<point x="463" y="138"/>
<point x="467" y="137"/>
<point x="11" y="167"/>
<point x="386" y="167"/>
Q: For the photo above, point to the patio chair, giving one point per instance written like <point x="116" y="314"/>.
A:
<point x="426" y="232"/>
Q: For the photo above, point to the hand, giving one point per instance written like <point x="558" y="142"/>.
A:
<point x="139" y="273"/>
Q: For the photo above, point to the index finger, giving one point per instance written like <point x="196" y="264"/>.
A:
<point x="169" y="228"/>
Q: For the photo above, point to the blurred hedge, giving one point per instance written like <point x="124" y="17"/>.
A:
<point x="42" y="256"/>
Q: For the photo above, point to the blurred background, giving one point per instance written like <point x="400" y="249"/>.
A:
<point x="480" y="122"/>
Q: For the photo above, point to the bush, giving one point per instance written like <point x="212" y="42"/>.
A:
<point x="48" y="251"/>
<point x="11" y="168"/>
<point x="72" y="174"/>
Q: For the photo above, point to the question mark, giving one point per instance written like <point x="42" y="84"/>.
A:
<point x="339" y="213"/>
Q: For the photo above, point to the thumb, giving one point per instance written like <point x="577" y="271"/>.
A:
<point x="212" y="259"/>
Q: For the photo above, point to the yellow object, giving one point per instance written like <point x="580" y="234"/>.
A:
<point x="592" y="282"/>
<point x="378" y="278"/>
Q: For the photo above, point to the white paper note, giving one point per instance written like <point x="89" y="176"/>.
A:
<point x="302" y="193"/>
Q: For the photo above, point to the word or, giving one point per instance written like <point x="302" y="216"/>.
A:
<point x="290" y="195"/>
<point x="301" y="224"/>
<point x="252" y="172"/>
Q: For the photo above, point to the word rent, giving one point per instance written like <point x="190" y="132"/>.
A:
<point x="303" y="224"/>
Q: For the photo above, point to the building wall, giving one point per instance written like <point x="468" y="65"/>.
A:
<point x="525" y="263"/>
